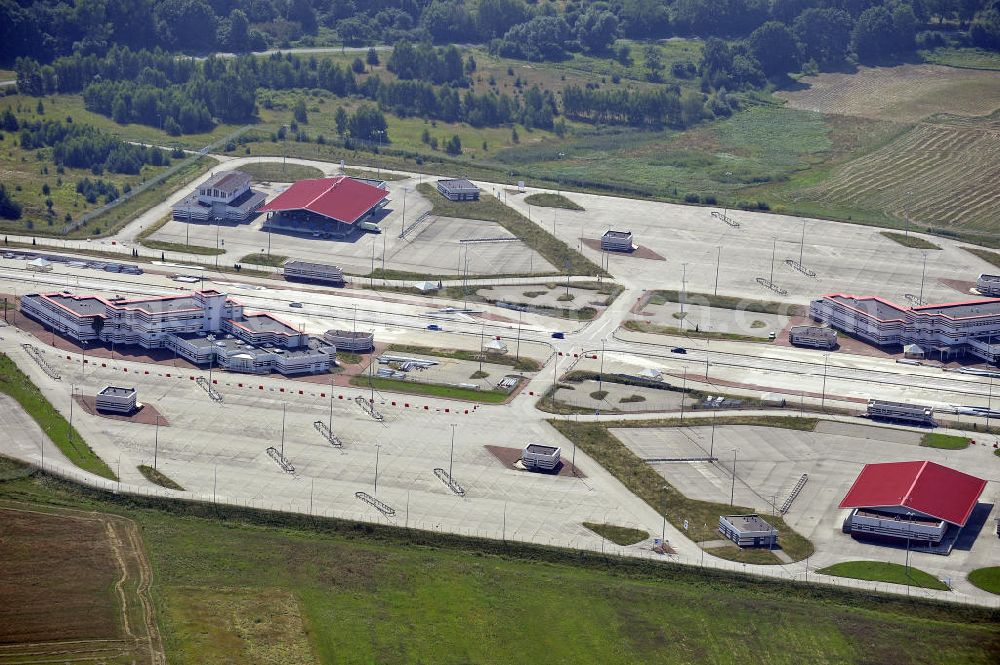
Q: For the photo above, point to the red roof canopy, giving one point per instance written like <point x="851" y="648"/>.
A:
<point x="924" y="487"/>
<point x="342" y="198"/>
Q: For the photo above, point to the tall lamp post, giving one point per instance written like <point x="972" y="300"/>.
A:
<point x="732" y="491"/>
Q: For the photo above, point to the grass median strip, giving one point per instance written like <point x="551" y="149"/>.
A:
<point x="555" y="251"/>
<point x="429" y="389"/>
<point x="18" y="385"/>
<point x="261" y="259"/>
<point x="702" y="517"/>
<point x="156" y="477"/>
<point x="548" y="200"/>
<point x="619" y="535"/>
<point x="662" y="296"/>
<point x="944" y="441"/>
<point x="914" y="242"/>
<point x="881" y="571"/>
<point x="657" y="329"/>
<point x="163" y="245"/>
<point x="520" y="364"/>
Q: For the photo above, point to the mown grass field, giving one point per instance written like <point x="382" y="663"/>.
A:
<point x="944" y="441"/>
<point x="275" y="172"/>
<point x="254" y="588"/>
<point x="987" y="579"/>
<point x="429" y="389"/>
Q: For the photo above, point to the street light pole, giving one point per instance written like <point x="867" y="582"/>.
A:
<point x="156" y="441"/>
<point x="822" y="402"/>
<point x="923" y="273"/>
<point x="600" y="377"/>
<point x="802" y="243"/>
<point x="283" y="405"/>
<point x="451" y="457"/>
<point x="732" y="492"/>
<point x="482" y="344"/>
<point x="774" y="247"/>
<point x="684" y="268"/>
<point x="517" y="349"/>
<point x="718" y="263"/>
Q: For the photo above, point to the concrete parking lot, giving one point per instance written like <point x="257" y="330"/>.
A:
<point x="770" y="461"/>
<point x="433" y="247"/>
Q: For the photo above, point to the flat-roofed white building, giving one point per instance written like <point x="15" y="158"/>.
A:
<point x="346" y="340"/>
<point x="116" y="399"/>
<point x="618" y="241"/>
<point x="203" y="327"/>
<point x="988" y="285"/>
<point x="313" y="272"/>
<point x="748" y="530"/>
<point x="539" y="456"/>
<point x="944" y="331"/>
<point x="458" y="189"/>
<point x="817" y="337"/>
<point x="226" y="197"/>
<point x="900" y="411"/>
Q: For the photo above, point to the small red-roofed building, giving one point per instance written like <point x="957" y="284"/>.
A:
<point x="910" y="501"/>
<point x="319" y="206"/>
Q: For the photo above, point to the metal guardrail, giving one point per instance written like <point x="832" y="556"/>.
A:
<point x="491" y="240"/>
<point x="281" y="460"/>
<point x="155" y="180"/>
<point x="380" y="506"/>
<point x="369" y="407"/>
<point x="449" y="481"/>
<point x="212" y="392"/>
<point x="421" y="219"/>
<point x="726" y="218"/>
<point x="36" y="355"/>
<point x="768" y="284"/>
<point x="324" y="429"/>
<point x="794" y="493"/>
<point x="801" y="268"/>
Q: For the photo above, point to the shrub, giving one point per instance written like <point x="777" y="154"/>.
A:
<point x="692" y="198"/>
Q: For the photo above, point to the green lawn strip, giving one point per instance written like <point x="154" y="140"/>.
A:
<point x="549" y="200"/>
<point x="993" y="258"/>
<point x="18" y="385"/>
<point x="944" y="441"/>
<point x="881" y="571"/>
<point x="474" y="293"/>
<point x="278" y="172"/>
<point x="111" y="221"/>
<point x="181" y="247"/>
<point x="520" y="364"/>
<point x="963" y="58"/>
<point x="619" y="610"/>
<point x="657" y="329"/>
<point x="987" y="579"/>
<point x="915" y="242"/>
<point x="619" y="535"/>
<point x="156" y="477"/>
<point x="374" y="175"/>
<point x="489" y="208"/>
<point x="261" y="259"/>
<point x="661" y="296"/>
<point x="752" y="555"/>
<point x="703" y="516"/>
<point x="429" y="389"/>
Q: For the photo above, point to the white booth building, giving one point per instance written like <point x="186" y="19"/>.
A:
<point x="115" y="399"/>
<point x="538" y="456"/>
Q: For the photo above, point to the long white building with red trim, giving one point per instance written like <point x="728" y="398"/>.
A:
<point x="202" y="327"/>
<point x="946" y="330"/>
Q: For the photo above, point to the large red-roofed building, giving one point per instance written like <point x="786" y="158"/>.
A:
<point x="915" y="501"/>
<point x="324" y="205"/>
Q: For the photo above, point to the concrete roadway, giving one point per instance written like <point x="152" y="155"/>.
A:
<point x="419" y="446"/>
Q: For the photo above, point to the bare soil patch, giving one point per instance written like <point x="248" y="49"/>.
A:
<point x="641" y="253"/>
<point x="147" y="415"/>
<point x="75" y="587"/>
<point x="510" y="456"/>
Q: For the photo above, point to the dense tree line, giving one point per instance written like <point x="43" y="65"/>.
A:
<point x="665" y="106"/>
<point x="47" y="29"/>
<point x="85" y="146"/>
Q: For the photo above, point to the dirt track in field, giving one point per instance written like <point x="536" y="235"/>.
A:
<point x="74" y="586"/>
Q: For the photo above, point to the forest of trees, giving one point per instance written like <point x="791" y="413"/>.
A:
<point x="82" y="146"/>
<point x="539" y="29"/>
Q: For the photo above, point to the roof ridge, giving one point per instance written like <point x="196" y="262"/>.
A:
<point x="916" y="477"/>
